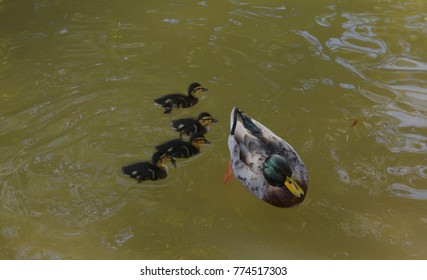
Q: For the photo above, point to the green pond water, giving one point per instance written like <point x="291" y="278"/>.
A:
<point x="78" y="79"/>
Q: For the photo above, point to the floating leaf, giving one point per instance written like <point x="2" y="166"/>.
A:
<point x="355" y="122"/>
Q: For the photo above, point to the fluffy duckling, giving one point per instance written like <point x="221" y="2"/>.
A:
<point x="189" y="126"/>
<point x="179" y="100"/>
<point x="178" y="148"/>
<point x="143" y="171"/>
<point x="264" y="163"/>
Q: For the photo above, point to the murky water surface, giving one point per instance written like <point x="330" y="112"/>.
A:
<point x="78" y="79"/>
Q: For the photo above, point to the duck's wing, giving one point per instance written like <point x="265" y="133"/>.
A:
<point x="173" y="98"/>
<point x="141" y="171"/>
<point x="169" y="146"/>
<point x="185" y="124"/>
<point x="275" y="144"/>
<point x="247" y="155"/>
<point x="178" y="148"/>
<point x="248" y="173"/>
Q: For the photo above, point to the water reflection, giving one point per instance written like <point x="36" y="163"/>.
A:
<point x="407" y="192"/>
<point x="403" y="63"/>
<point x="360" y="43"/>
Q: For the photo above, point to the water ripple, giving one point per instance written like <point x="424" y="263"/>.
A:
<point x="402" y="63"/>
<point x="405" y="191"/>
<point x="420" y="170"/>
<point x="326" y="20"/>
<point x="259" y="11"/>
<point x="316" y="45"/>
<point x="351" y="42"/>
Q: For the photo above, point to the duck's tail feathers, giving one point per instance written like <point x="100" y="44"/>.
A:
<point x="234" y="116"/>
<point x="247" y="123"/>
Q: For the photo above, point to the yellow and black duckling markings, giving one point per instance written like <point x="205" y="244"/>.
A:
<point x="146" y="170"/>
<point x="189" y="126"/>
<point x="179" y="100"/>
<point x="157" y="169"/>
<point x="178" y="148"/>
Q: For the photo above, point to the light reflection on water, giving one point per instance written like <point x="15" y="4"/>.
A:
<point x="78" y="80"/>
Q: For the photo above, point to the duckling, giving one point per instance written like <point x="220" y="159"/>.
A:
<point x="264" y="163"/>
<point x="178" y="100"/>
<point x="143" y="171"/>
<point x="188" y="126"/>
<point x="178" y="148"/>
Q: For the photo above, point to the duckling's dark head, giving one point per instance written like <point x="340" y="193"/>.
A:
<point x="159" y="158"/>
<point x="278" y="173"/>
<point x="198" y="139"/>
<point x="195" y="89"/>
<point x="206" y="119"/>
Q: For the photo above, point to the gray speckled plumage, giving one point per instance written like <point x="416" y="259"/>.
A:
<point x="250" y="143"/>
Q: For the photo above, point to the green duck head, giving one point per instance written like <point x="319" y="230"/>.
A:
<point x="278" y="173"/>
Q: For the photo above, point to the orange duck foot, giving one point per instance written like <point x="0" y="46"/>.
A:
<point x="229" y="174"/>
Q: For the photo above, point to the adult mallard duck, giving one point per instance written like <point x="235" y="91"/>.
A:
<point x="189" y="126"/>
<point x="264" y="163"/>
<point x="146" y="170"/>
<point x="179" y="100"/>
